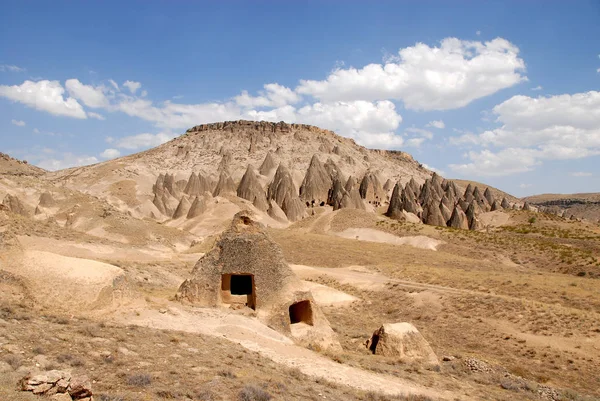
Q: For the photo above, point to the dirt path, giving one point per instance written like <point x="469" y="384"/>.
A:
<point x="253" y="335"/>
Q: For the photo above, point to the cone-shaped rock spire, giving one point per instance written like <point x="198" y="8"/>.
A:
<point x="250" y="189"/>
<point x="458" y="219"/>
<point x="316" y="184"/>
<point x="225" y="185"/>
<point x="197" y="208"/>
<point x="283" y="191"/>
<point x="267" y="165"/>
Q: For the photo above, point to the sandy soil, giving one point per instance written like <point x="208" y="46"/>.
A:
<point x="327" y="296"/>
<point x="73" y="282"/>
<point x="368" y="234"/>
<point x="254" y="336"/>
<point x="494" y="219"/>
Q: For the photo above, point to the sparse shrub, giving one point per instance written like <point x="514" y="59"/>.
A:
<point x="14" y="361"/>
<point x="204" y="395"/>
<point x="139" y="380"/>
<point x="253" y="393"/>
<point x="38" y="351"/>
<point x="90" y="330"/>
<point x="64" y="358"/>
<point x="109" y="397"/>
<point x="167" y="395"/>
<point x="228" y="374"/>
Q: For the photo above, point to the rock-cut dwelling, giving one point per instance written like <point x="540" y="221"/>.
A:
<point x="246" y="269"/>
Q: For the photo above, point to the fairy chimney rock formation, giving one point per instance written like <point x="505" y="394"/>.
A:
<point x="316" y="184"/>
<point x="458" y="219"/>
<point x="225" y="185"/>
<point x="371" y="189"/>
<point x="267" y="165"/>
<point x="283" y="191"/>
<point x="251" y="190"/>
<point x="197" y="208"/>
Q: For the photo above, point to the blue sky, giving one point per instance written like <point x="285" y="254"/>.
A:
<point x="502" y="92"/>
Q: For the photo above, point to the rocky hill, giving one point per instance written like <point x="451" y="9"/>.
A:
<point x="581" y="206"/>
<point x="198" y="181"/>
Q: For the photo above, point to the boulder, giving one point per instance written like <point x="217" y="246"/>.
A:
<point x="402" y="340"/>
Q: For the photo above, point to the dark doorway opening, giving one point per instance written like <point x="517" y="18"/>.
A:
<point x="238" y="289"/>
<point x="374" y="342"/>
<point x="301" y="312"/>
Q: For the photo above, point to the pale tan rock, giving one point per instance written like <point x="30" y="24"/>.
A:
<point x="404" y="341"/>
<point x="61" y="397"/>
<point x="80" y="387"/>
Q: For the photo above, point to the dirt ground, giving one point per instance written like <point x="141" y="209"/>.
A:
<point x="512" y="312"/>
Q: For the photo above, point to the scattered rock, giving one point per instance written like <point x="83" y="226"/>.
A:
<point x="60" y="385"/>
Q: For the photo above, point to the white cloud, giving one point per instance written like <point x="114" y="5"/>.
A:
<point x="440" y="172"/>
<point x="273" y="95"/>
<point x="10" y="68"/>
<point x="44" y="95"/>
<point x="537" y="88"/>
<point x="436" y="124"/>
<point x="110" y="153"/>
<point x="132" y="86"/>
<point x="68" y="160"/>
<point x="370" y="124"/>
<point x="428" y="78"/>
<point x="420" y="132"/>
<point x="114" y="84"/>
<point x="36" y="131"/>
<point x="478" y="33"/>
<point x="558" y="127"/>
<point x="581" y="174"/>
<point x="598" y="70"/>
<point x="97" y="116"/>
<point x="523" y="186"/>
<point x="415" y="142"/>
<point x="175" y="115"/>
<point x="90" y="96"/>
<point x="140" y="141"/>
<point x="506" y="162"/>
<point x="18" y="123"/>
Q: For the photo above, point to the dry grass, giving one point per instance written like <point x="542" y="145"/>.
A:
<point x="164" y="365"/>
